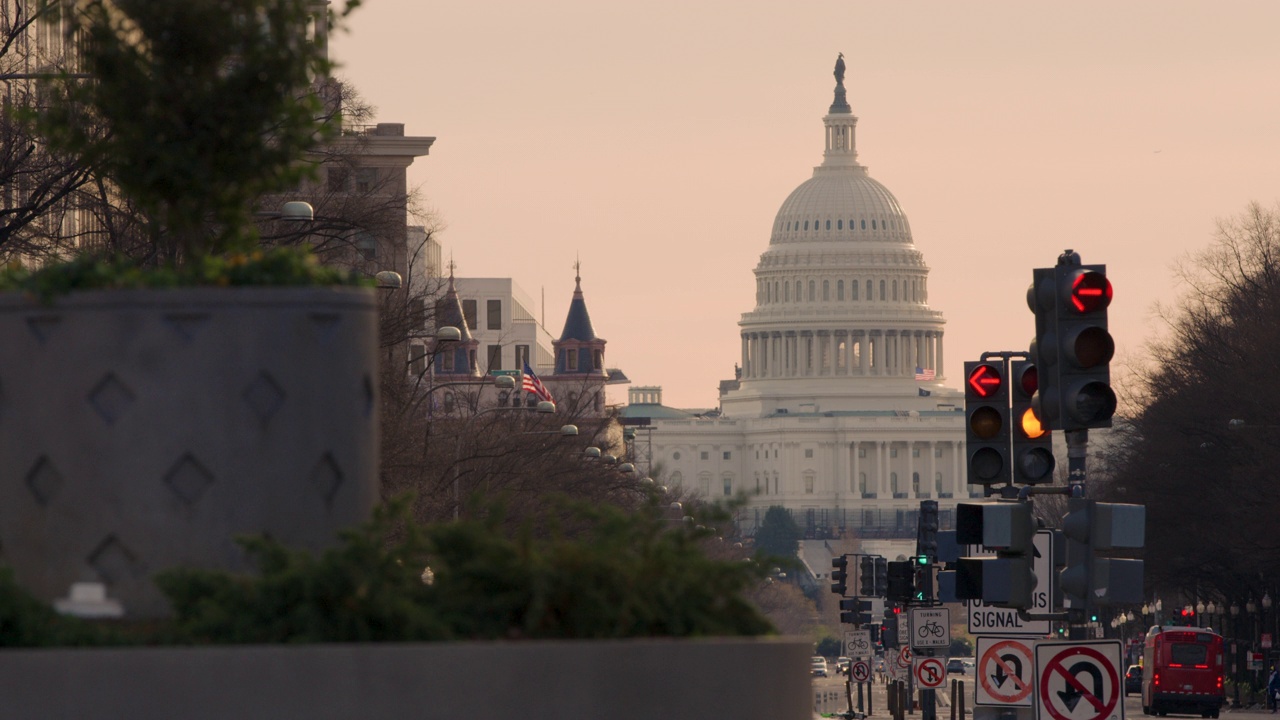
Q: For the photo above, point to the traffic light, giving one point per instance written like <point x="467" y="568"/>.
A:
<point x="927" y="534"/>
<point x="986" y="414"/>
<point x="1073" y="347"/>
<point x="1032" y="442"/>
<point x="869" y="610"/>
<point x="1085" y="347"/>
<point x="840" y="574"/>
<point x="902" y="581"/>
<point x="866" y="576"/>
<point x="882" y="577"/>
<point x="1090" y="527"/>
<point x="1008" y="528"/>
<point x="923" y="580"/>
<point x="1042" y="298"/>
<point x="849" y="611"/>
<point x="889" y="630"/>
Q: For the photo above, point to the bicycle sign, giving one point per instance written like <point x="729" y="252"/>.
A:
<point x="857" y="643"/>
<point x="930" y="627"/>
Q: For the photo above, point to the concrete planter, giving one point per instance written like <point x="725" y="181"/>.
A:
<point x="145" y="429"/>
<point x="744" y="679"/>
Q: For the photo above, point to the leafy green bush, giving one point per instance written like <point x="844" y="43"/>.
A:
<point x="829" y="647"/>
<point x="622" y="574"/>
<point x="273" y="267"/>
<point x="625" y="575"/>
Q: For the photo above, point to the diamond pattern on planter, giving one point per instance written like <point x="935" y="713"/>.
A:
<point x="188" y="479"/>
<point x="111" y="398"/>
<point x="44" y="481"/>
<point x="326" y="478"/>
<point x="186" y="325"/>
<point x="42" y="326"/>
<point x="114" y="561"/>
<point x="264" y="396"/>
<point x="326" y="325"/>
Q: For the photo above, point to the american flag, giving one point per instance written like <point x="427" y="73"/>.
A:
<point x="533" y="385"/>
<point x="922" y="374"/>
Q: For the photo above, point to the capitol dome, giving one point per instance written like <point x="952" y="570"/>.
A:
<point x="842" y="309"/>
<point x="844" y="205"/>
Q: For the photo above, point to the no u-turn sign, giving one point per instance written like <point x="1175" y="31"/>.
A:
<point x="1079" y="681"/>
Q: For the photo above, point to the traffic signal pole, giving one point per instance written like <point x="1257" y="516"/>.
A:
<point x="1077" y="452"/>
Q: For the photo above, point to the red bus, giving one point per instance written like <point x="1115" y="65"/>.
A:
<point x="1183" y="672"/>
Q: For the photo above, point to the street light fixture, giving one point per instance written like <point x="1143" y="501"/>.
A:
<point x="448" y="333"/>
<point x="388" y="280"/>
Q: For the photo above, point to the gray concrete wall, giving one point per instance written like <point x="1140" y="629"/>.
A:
<point x="743" y="679"/>
<point x="145" y="429"/>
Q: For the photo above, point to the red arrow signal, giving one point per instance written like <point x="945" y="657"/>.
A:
<point x="1090" y="292"/>
<point x="985" y="380"/>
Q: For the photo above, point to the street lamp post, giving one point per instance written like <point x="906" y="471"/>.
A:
<point x="1236" y="674"/>
<point x="1266" y="616"/>
<point x="1254" y="640"/>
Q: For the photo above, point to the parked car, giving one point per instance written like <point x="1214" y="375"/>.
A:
<point x="818" y="665"/>
<point x="956" y="665"/>
<point x="842" y="665"/>
<point x="1133" y="679"/>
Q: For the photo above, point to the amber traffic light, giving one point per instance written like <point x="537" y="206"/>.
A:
<point x="1032" y="443"/>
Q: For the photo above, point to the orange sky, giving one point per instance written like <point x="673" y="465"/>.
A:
<point x="657" y="140"/>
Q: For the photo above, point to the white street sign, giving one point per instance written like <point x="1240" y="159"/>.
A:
<point x="1005" y="670"/>
<point x="930" y="672"/>
<point x="930" y="627"/>
<point x="1079" y="681"/>
<point x="857" y="643"/>
<point x="988" y="620"/>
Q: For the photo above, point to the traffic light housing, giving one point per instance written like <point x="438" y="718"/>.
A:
<point x="986" y="414"/>
<point x="923" y="580"/>
<point x="882" y="577"/>
<point x="1090" y="527"/>
<point x="889" y="630"/>
<point x="1042" y="298"/>
<point x="1073" y="347"/>
<point x="840" y="575"/>
<point x="927" y="533"/>
<point x="1085" y="347"/>
<point x="849" y="611"/>
<point x="1008" y="528"/>
<point x="902" y="581"/>
<point x="866" y="576"/>
<point x="1032" y="442"/>
<point x="869" y="610"/>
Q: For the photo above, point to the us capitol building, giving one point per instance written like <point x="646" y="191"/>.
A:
<point x="837" y="412"/>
